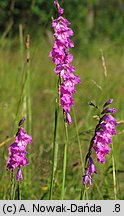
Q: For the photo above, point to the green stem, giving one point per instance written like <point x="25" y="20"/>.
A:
<point x="87" y="197"/>
<point x="64" y="162"/>
<point x="55" y="146"/>
<point x="19" y="191"/>
<point x="84" y="192"/>
<point x="19" y="106"/>
<point x="29" y="113"/>
<point x="114" y="174"/>
<point x="22" y="75"/>
<point x="28" y="88"/>
<point x="20" y="100"/>
<point x="21" y="46"/>
<point x="12" y="185"/>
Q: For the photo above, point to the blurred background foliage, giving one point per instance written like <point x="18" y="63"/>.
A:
<point x="98" y="26"/>
<point x="90" y="18"/>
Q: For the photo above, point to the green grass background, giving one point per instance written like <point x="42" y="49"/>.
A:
<point x="94" y="87"/>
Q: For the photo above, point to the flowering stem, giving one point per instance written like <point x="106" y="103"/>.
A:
<point x="20" y="99"/>
<point x="91" y="143"/>
<point x="26" y="107"/>
<point x="55" y="145"/>
<point x="12" y="185"/>
<point x="114" y="174"/>
<point x="83" y="193"/>
<point x="64" y="162"/>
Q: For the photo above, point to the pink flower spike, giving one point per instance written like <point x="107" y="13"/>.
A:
<point x="17" y="152"/>
<point x="100" y="141"/>
<point x="89" y="171"/>
<point x="62" y="58"/>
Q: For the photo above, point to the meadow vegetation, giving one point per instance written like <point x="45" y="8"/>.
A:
<point x="97" y="86"/>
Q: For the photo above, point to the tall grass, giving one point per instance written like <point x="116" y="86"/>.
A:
<point x="64" y="159"/>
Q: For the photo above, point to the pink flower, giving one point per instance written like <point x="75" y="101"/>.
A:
<point x="66" y="102"/>
<point x="108" y="102"/>
<point x="90" y="170"/>
<point x="19" y="176"/>
<point x="62" y="58"/>
<point x="110" y="128"/>
<point x="109" y="119"/>
<point x="17" y="152"/>
<point x="60" y="10"/>
<point x="104" y="132"/>
<point x="101" y="140"/>
<point x="109" y="110"/>
<point x="68" y="118"/>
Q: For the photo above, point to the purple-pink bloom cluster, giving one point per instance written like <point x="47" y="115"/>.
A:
<point x="62" y="58"/>
<point x="101" y="140"/>
<point x="17" y="152"/>
<point x="103" y="136"/>
<point x="90" y="170"/>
